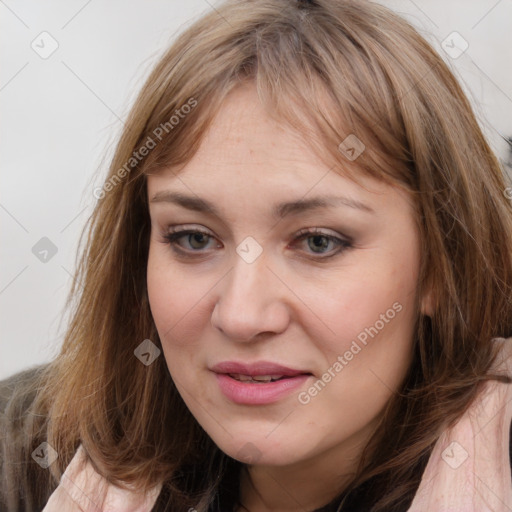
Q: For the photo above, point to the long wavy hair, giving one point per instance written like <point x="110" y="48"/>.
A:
<point x="328" y="69"/>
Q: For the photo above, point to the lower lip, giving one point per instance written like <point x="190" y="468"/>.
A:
<point x="258" y="394"/>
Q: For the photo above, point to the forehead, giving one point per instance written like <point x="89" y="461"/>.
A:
<point x="243" y="140"/>
<point x="247" y="156"/>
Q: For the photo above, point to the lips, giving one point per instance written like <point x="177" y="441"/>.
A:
<point x="256" y="378"/>
<point x="259" y="383"/>
<point x="257" y="369"/>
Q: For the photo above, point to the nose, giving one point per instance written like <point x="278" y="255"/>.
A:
<point x="252" y="300"/>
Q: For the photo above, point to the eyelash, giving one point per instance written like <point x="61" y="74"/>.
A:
<point x="172" y="237"/>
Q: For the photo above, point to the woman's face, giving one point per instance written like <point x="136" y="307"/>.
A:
<point x="336" y="306"/>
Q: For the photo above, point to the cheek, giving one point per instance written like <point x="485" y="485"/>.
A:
<point x="380" y="295"/>
<point x="179" y="306"/>
<point x="368" y="356"/>
<point x="372" y="313"/>
<point x="169" y="308"/>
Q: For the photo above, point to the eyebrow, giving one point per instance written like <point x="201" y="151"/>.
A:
<point x="280" y="210"/>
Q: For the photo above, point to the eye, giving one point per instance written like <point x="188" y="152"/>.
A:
<point x="319" y="240"/>
<point x="196" y="240"/>
<point x="194" y="237"/>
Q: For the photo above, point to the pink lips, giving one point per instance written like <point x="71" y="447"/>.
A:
<point x="256" y="368"/>
<point x="257" y="393"/>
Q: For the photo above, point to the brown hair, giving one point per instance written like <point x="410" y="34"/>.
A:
<point x="328" y="69"/>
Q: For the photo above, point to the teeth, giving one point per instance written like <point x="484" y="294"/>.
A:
<point x="256" y="378"/>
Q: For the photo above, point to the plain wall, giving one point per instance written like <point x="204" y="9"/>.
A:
<point x="61" y="116"/>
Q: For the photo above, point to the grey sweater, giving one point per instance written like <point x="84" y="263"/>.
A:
<point x="24" y="485"/>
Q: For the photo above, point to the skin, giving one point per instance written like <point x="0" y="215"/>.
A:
<point x="289" y="306"/>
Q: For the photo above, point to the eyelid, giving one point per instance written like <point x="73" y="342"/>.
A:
<point x="188" y="227"/>
<point x="322" y="232"/>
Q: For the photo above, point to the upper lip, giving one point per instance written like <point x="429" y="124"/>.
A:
<point x="256" y="368"/>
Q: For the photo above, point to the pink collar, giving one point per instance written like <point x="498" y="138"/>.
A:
<point x="82" y="489"/>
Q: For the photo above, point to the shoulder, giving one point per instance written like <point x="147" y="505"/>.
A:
<point x="21" y="383"/>
<point x="17" y="395"/>
<point x="23" y="485"/>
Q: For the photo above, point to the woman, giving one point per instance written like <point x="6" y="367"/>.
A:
<point x="217" y="361"/>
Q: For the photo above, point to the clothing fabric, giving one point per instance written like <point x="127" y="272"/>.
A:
<point x="82" y="489"/>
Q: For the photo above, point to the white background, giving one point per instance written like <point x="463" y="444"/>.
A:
<point x="61" y="116"/>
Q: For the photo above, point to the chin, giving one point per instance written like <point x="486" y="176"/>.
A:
<point x="260" y="452"/>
